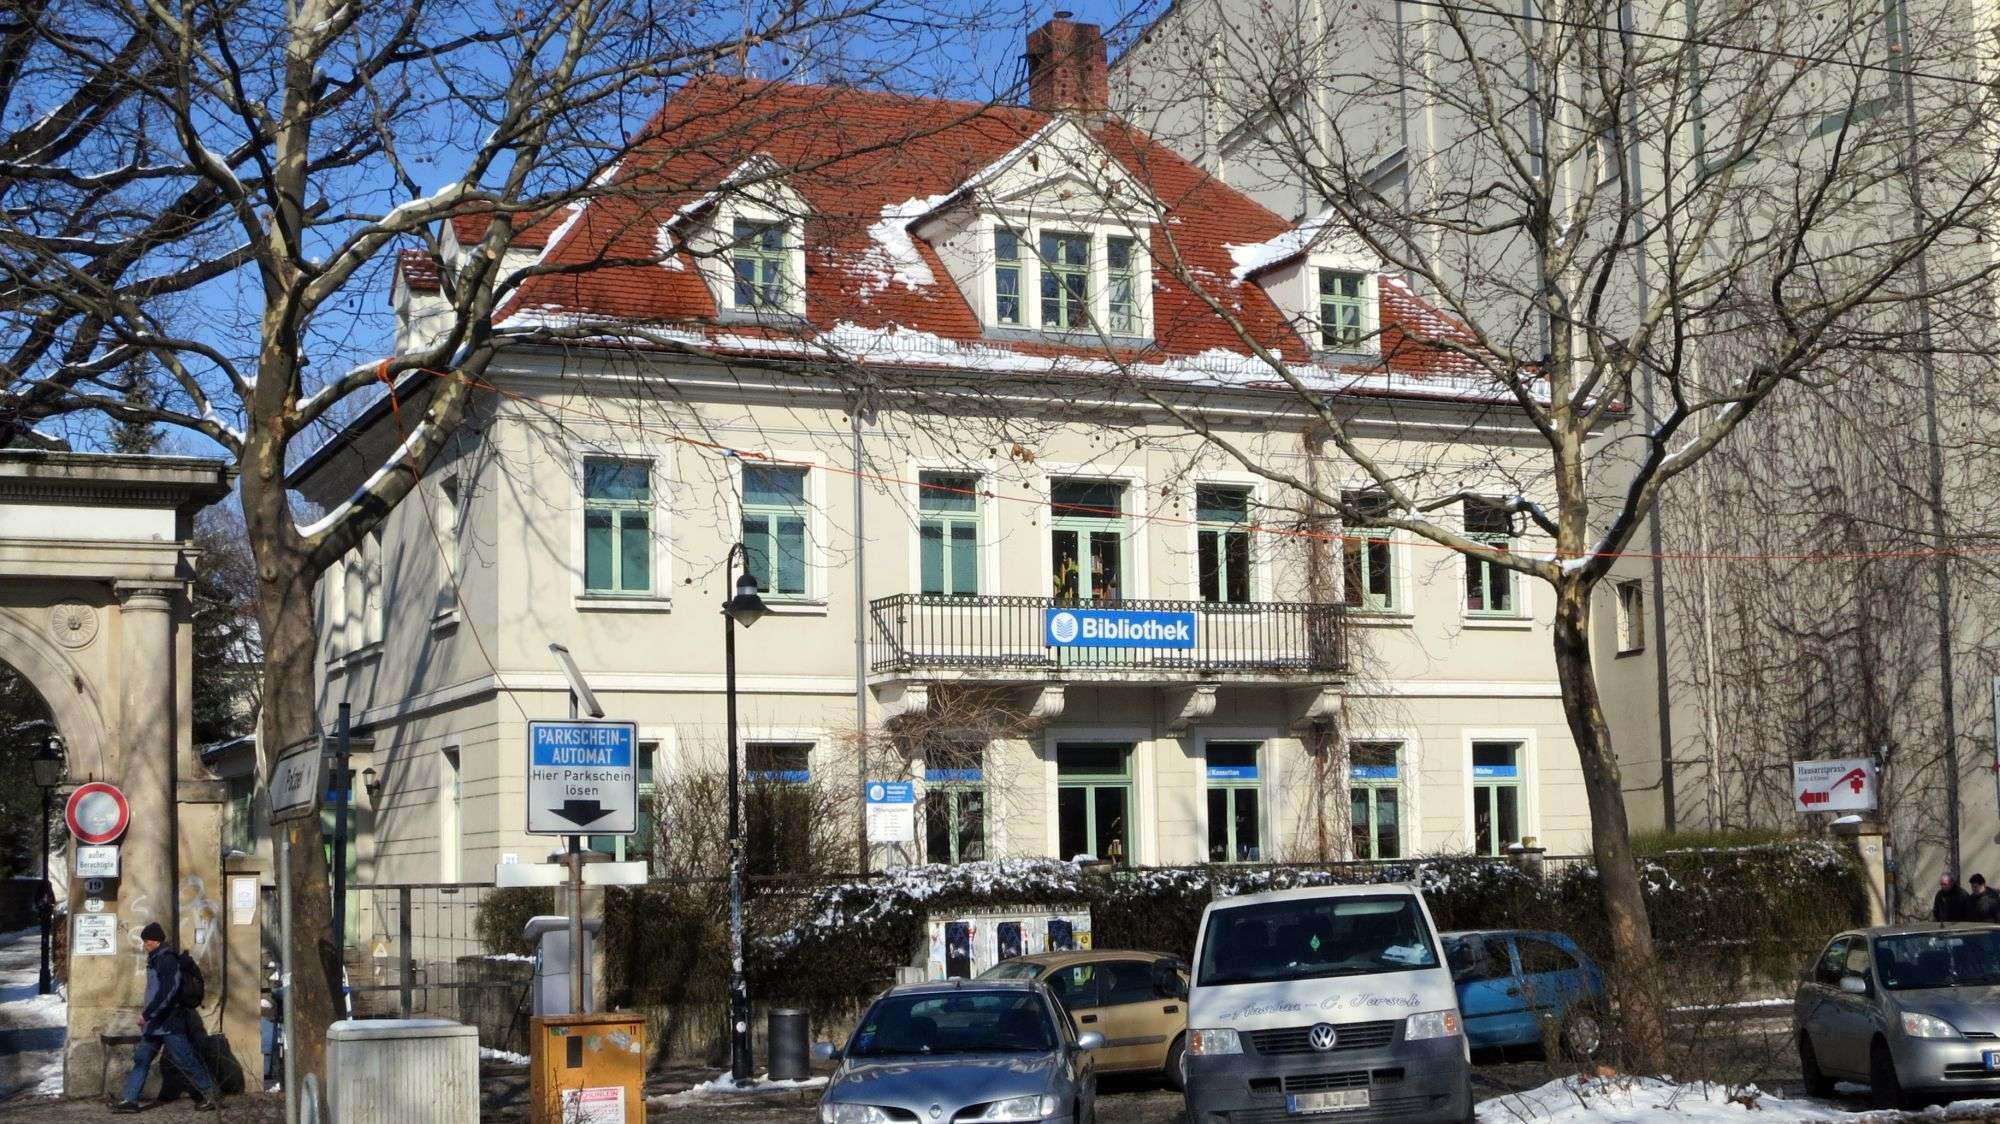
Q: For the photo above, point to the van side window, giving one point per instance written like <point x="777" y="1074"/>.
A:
<point x="1831" y="963"/>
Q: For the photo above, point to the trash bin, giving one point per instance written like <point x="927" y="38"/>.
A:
<point x="588" y="1069"/>
<point x="790" y="1060"/>
<point x="552" y="963"/>
<point x="402" y="1071"/>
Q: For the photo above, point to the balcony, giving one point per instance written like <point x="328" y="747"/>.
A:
<point x="920" y="636"/>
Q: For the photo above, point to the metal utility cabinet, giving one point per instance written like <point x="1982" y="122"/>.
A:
<point x="589" y="1069"/>
<point x="402" y="1071"/>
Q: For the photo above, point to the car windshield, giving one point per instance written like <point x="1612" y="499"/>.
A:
<point x="1946" y="958"/>
<point x="1308" y="938"/>
<point x="962" y="1022"/>
<point x="1011" y="970"/>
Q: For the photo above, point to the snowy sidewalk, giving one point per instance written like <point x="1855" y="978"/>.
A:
<point x="1625" y="1100"/>
<point x="31" y="1026"/>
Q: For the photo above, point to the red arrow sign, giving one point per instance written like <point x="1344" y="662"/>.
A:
<point x="96" y="813"/>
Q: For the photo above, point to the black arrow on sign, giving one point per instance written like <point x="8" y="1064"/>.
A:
<point x="581" y="812"/>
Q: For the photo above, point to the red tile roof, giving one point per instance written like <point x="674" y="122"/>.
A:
<point x="849" y="154"/>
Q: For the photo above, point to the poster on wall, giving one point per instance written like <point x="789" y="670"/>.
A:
<point x="95" y="934"/>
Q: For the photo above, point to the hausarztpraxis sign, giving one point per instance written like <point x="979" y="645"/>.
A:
<point x="1116" y="628"/>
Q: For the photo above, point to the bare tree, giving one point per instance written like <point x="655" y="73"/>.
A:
<point x="1642" y="229"/>
<point x="217" y="189"/>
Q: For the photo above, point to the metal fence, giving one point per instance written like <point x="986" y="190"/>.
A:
<point x="917" y="632"/>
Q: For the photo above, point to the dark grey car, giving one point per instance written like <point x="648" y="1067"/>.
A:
<point x="957" y="1051"/>
<point x="1913" y="1010"/>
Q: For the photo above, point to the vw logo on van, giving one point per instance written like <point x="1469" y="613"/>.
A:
<point x="1322" y="1037"/>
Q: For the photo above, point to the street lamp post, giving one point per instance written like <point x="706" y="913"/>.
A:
<point x="742" y="607"/>
<point x="48" y="766"/>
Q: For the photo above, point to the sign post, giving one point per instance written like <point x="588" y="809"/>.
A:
<point x="581" y="775"/>
<point x="294" y="792"/>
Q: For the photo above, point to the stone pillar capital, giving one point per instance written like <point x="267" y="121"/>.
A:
<point x="147" y="597"/>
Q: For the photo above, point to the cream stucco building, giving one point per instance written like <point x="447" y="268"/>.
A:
<point x="930" y="450"/>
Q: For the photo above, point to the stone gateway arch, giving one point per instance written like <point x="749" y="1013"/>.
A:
<point x="96" y="560"/>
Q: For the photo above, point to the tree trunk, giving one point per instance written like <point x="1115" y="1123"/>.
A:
<point x="286" y="617"/>
<point x="1635" y="975"/>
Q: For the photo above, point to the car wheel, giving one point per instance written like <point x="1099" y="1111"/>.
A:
<point x="1582" y="1034"/>
<point x="1883" y="1083"/>
<point x="1817" y="1083"/>
<point x="1176" y="1067"/>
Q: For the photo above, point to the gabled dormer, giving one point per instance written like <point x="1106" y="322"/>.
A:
<point x="1054" y="239"/>
<point x="1325" y="282"/>
<point x="748" y="239"/>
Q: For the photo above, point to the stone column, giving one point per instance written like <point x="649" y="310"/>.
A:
<point x="1866" y="833"/>
<point x="107" y="992"/>
<point x="146" y="890"/>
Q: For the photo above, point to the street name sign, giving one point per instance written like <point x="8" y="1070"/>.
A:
<point x="1834" y="786"/>
<point x="297" y="783"/>
<point x="583" y="778"/>
<point x="1116" y="628"/>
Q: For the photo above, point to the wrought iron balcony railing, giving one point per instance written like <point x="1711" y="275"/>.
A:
<point x="916" y="633"/>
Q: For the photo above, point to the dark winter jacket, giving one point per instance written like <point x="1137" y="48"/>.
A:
<point x="1950" y="905"/>
<point x="163" y="990"/>
<point x="1983" y="906"/>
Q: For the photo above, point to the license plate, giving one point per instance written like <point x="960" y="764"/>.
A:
<point x="1339" y="1100"/>
<point x="1993" y="1061"/>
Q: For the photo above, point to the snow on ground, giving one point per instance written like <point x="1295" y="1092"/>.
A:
<point x="1646" y="1100"/>
<point x="489" y="1054"/>
<point x="721" y="1086"/>
<point x="31" y="1026"/>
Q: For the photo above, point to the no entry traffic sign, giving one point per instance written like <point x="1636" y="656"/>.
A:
<point x="97" y="813"/>
<point x="583" y="778"/>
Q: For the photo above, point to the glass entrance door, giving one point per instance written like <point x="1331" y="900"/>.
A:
<point x="1094" y="800"/>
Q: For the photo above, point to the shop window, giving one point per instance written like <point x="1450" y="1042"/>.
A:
<point x="954" y="804"/>
<point x="1375" y="797"/>
<point x="1235" y="803"/>
<point x="1094" y="801"/>
<point x="777" y="806"/>
<point x="1496" y="796"/>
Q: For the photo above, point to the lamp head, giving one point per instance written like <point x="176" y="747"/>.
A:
<point x="745" y="607"/>
<point x="48" y="762"/>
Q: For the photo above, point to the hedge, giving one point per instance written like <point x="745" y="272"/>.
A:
<point x="1748" y="911"/>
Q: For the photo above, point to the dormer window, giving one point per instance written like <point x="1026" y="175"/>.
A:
<point x="1006" y="276"/>
<point x="1065" y="281"/>
<point x="1342" y="309"/>
<point x="1122" y="286"/>
<point x="758" y="256"/>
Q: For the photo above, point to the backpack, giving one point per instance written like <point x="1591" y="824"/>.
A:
<point x="192" y="988"/>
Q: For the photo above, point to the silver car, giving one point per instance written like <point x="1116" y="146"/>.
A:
<point x="958" y="1051"/>
<point x="1912" y="1010"/>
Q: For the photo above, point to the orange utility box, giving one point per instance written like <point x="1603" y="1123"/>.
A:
<point x="588" y="1069"/>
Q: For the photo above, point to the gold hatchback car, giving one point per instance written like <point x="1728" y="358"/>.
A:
<point x="1136" y="1000"/>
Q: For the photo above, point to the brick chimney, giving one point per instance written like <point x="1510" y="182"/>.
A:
<point x="1067" y="68"/>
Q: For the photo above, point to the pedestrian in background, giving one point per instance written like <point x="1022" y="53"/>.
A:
<point x="1950" y="902"/>
<point x="172" y="990"/>
<point x="1982" y="902"/>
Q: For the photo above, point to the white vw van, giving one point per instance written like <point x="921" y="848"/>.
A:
<point x="1332" y="1003"/>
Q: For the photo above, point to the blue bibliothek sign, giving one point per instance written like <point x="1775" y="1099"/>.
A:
<point x="1116" y="628"/>
<point x="892" y="811"/>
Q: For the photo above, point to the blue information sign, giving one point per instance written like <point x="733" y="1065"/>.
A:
<point x="1372" y="772"/>
<point x="1232" y="772"/>
<point x="892" y="792"/>
<point x="582" y="778"/>
<point x="1116" y="628"/>
<point x="1496" y="772"/>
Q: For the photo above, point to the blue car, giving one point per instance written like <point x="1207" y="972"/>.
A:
<point x="1514" y="983"/>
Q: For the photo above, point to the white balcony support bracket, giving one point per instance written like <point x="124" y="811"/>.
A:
<point x="903" y="699"/>
<point x="1189" y="705"/>
<point x="1315" y="707"/>
<point x="1048" y="704"/>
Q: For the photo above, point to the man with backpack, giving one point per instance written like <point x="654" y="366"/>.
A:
<point x="174" y="988"/>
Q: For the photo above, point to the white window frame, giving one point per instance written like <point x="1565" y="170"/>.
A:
<point x="1030" y="228"/>
<point x="1361" y="302"/>
<point x="1261" y="563"/>
<point x="719" y="260"/>
<point x="814" y="599"/>
<point x="1402" y="786"/>
<point x="987" y="512"/>
<point x="1521" y="612"/>
<point x="1269" y="791"/>
<point x="1528" y="762"/>
<point x="660" y="479"/>
<point x="1136" y="543"/>
<point x="449" y="525"/>
<point x="450" y="801"/>
<point x="1631" y="618"/>
<point x="1143" y="779"/>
